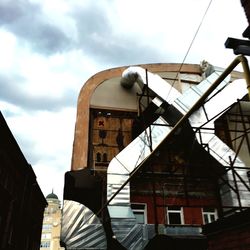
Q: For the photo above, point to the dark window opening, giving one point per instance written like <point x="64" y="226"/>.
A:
<point x="175" y="215"/>
<point x="98" y="157"/>
<point x="174" y="218"/>
<point x="105" y="157"/>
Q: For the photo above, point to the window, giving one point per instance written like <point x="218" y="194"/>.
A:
<point x="175" y="215"/>
<point x="47" y="227"/>
<point x="98" y="157"/>
<point x="209" y="215"/>
<point x="47" y="219"/>
<point x="140" y="212"/>
<point x="46" y="236"/>
<point x="105" y="157"/>
<point x="45" y="244"/>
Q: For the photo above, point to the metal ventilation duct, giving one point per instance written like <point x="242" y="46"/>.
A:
<point x="123" y="222"/>
<point x="81" y="228"/>
<point x="155" y="83"/>
<point x="203" y="121"/>
<point x="124" y="225"/>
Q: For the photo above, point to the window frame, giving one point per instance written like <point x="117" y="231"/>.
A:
<point x="208" y="213"/>
<point x="45" y="244"/>
<point x="180" y="211"/>
<point x="141" y="210"/>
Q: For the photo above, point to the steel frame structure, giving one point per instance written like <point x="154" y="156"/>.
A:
<point x="245" y="120"/>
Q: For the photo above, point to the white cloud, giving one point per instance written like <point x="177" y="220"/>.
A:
<point x="63" y="43"/>
<point x="47" y="139"/>
<point x="50" y="178"/>
<point x="50" y="132"/>
<point x="7" y="50"/>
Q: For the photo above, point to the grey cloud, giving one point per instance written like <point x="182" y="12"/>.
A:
<point x="28" y="148"/>
<point x="43" y="37"/>
<point x="26" y="21"/>
<point x="96" y="37"/>
<point x="125" y="52"/>
<point x="98" y="40"/>
<point x="12" y="92"/>
<point x="12" y="11"/>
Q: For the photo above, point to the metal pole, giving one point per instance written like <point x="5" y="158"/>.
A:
<point x="244" y="126"/>
<point x="246" y="71"/>
<point x="235" y="183"/>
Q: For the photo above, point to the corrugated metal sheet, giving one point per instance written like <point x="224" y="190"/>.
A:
<point x="203" y="121"/>
<point x="81" y="228"/>
<point x="135" y="153"/>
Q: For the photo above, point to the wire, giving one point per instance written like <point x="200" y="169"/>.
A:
<point x="205" y="13"/>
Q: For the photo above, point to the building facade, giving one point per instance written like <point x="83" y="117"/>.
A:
<point x="22" y="202"/>
<point x="165" y="155"/>
<point x="50" y="237"/>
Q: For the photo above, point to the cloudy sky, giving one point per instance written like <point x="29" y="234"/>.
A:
<point x="49" y="48"/>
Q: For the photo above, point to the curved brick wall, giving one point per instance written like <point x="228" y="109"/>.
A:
<point x="80" y="145"/>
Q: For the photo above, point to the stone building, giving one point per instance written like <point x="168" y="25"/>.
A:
<point x="50" y="237"/>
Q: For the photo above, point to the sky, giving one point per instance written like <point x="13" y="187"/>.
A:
<point x="49" y="49"/>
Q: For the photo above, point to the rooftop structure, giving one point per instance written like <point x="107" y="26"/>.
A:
<point x="163" y="148"/>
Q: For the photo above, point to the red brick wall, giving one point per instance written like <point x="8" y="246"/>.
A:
<point x="192" y="215"/>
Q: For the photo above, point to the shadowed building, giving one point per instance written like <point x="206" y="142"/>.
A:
<point x="22" y="202"/>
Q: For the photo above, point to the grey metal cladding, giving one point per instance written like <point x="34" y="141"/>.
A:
<point x="81" y="228"/>
<point x="138" y="150"/>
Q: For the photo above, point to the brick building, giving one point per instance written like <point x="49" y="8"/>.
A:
<point x="22" y="202"/>
<point x="161" y="155"/>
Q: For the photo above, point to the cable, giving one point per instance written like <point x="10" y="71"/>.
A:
<point x="191" y="43"/>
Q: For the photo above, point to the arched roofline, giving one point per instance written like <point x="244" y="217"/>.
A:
<point x="81" y="135"/>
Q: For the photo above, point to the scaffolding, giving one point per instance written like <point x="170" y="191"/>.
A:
<point x="241" y="139"/>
